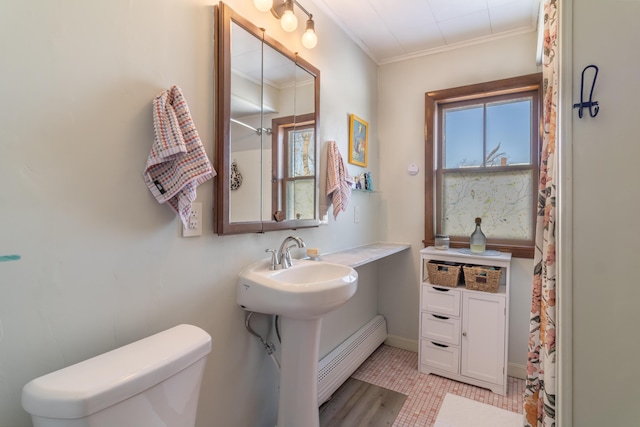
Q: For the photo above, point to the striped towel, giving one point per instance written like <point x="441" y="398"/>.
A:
<point x="338" y="181"/>
<point x="177" y="163"/>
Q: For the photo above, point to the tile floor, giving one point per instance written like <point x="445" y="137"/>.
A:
<point x="397" y="370"/>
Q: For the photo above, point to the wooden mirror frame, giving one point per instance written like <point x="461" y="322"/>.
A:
<point x="222" y="225"/>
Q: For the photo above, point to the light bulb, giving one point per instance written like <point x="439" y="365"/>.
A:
<point x="309" y="38"/>
<point x="289" y="22"/>
<point x="263" y="5"/>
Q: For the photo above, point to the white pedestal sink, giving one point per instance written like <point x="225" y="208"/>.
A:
<point x="300" y="295"/>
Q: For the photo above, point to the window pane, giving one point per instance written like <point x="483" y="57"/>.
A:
<point x="300" y="199"/>
<point x="501" y="199"/>
<point x="463" y="136"/>
<point x="301" y="153"/>
<point x="509" y="132"/>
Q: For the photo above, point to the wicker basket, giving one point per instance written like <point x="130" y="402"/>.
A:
<point x="444" y="274"/>
<point x="482" y="278"/>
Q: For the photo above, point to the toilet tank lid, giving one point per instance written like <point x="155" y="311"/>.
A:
<point x="92" y="385"/>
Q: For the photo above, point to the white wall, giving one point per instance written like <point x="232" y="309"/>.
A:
<point x="605" y="246"/>
<point x="401" y="141"/>
<point x="102" y="263"/>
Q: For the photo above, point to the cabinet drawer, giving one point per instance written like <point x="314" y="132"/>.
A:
<point x="440" y="356"/>
<point x="441" y="300"/>
<point x="442" y="329"/>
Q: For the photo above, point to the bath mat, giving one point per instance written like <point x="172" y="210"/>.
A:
<point x="458" y="411"/>
<point x="357" y="403"/>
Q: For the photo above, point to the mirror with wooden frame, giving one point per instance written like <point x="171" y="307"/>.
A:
<point x="267" y="111"/>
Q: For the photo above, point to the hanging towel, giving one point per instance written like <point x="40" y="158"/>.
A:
<point x="338" y="181"/>
<point x="177" y="163"/>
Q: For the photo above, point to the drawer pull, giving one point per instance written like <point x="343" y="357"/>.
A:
<point x="440" y="317"/>
<point x="439" y="345"/>
<point x="441" y="289"/>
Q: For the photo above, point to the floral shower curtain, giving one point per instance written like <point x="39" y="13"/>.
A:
<point x="540" y="388"/>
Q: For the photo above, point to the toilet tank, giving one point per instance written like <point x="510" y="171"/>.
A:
<point x="151" y="382"/>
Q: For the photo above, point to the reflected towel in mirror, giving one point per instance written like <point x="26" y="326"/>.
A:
<point x="338" y="180"/>
<point x="177" y="163"/>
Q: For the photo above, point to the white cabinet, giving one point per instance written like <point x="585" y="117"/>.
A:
<point x="464" y="333"/>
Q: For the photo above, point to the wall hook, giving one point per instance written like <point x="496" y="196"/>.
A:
<point x="592" y="105"/>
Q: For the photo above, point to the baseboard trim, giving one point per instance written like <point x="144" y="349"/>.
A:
<point x="401" y="342"/>
<point x="517" y="371"/>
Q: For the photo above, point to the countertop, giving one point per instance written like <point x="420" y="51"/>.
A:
<point x="365" y="254"/>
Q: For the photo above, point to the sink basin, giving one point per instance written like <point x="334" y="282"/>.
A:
<point x="306" y="290"/>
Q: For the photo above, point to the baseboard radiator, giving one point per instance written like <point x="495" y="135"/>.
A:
<point x="341" y="362"/>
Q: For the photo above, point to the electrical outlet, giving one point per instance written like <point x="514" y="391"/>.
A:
<point x="356" y="214"/>
<point x="195" y="221"/>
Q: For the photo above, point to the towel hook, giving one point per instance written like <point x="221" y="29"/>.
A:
<point x="592" y="105"/>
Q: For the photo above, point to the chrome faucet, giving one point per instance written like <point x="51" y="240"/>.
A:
<point x="283" y="256"/>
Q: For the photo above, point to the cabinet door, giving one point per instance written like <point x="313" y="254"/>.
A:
<point x="483" y="336"/>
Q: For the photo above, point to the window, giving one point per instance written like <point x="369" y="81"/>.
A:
<point x="482" y="156"/>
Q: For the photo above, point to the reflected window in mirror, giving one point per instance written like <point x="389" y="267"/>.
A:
<point x="294" y="183"/>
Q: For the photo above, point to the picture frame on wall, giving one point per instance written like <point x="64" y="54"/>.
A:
<point x="358" y="141"/>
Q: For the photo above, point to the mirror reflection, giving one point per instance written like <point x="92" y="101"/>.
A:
<point x="265" y="132"/>
<point x="245" y="139"/>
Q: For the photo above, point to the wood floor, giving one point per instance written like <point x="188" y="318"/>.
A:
<point x="359" y="404"/>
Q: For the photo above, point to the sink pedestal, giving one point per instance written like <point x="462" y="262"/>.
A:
<point x="298" y="405"/>
<point x="300" y="295"/>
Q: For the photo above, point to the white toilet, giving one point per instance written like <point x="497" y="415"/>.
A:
<point x="149" y="383"/>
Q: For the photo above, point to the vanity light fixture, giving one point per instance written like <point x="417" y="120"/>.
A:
<point x="288" y="21"/>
